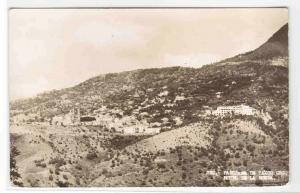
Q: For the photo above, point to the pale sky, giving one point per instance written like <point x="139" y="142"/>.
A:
<point x="58" y="48"/>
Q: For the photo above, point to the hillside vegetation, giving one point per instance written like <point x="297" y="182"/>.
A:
<point x="175" y="99"/>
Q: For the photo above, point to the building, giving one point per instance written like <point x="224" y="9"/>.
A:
<point x="75" y="116"/>
<point x="160" y="160"/>
<point x="71" y="118"/>
<point x="138" y="131"/>
<point x="88" y="120"/>
<point x="231" y="110"/>
<point x="57" y="120"/>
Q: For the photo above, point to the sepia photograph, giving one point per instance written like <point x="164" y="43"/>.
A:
<point x="148" y="97"/>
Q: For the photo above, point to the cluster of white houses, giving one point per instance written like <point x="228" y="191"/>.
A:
<point x="71" y="118"/>
<point x="125" y="125"/>
<point x="129" y="125"/>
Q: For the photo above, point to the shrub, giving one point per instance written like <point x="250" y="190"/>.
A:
<point x="56" y="171"/>
<point x="259" y="182"/>
<point x="104" y="171"/>
<point x="62" y="184"/>
<point x="203" y="164"/>
<point x="91" y="156"/>
<point x="227" y="156"/>
<point x="78" y="167"/>
<point x="77" y="181"/>
<point x="65" y="177"/>
<point x="161" y="165"/>
<point x="245" y="163"/>
<point x="227" y="183"/>
<point x="57" y="161"/>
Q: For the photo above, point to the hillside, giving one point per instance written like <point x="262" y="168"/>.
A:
<point x="179" y="102"/>
<point x="166" y="95"/>
<point x="191" y="135"/>
<point x="149" y="91"/>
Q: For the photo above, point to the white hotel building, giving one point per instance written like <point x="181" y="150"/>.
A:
<point x="238" y="110"/>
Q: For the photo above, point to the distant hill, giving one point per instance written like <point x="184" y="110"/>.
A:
<point x="275" y="47"/>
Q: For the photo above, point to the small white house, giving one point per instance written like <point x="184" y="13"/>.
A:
<point x="139" y="131"/>
<point x="160" y="160"/>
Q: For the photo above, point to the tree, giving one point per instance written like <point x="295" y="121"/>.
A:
<point x="227" y="183"/>
<point x="245" y="162"/>
<point x="161" y="165"/>
<point x="15" y="177"/>
<point x="259" y="182"/>
<point x="91" y="155"/>
<point x="62" y="184"/>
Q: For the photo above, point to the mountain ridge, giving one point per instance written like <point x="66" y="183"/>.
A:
<point x="275" y="47"/>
